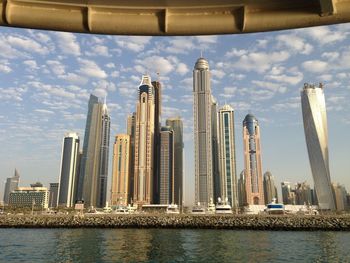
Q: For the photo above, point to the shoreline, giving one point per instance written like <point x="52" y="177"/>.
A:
<point x="233" y="222"/>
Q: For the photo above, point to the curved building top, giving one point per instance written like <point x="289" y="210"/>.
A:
<point x="226" y="107"/>
<point x="250" y="122"/>
<point x="201" y="64"/>
<point x="146" y="85"/>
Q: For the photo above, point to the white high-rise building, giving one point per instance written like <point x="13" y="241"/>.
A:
<point x="68" y="181"/>
<point x="202" y="111"/>
<point x="227" y="155"/>
<point x="316" y="135"/>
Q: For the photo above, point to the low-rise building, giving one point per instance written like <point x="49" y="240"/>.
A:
<point x="31" y="197"/>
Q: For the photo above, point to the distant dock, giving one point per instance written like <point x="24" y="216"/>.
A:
<point x="288" y="223"/>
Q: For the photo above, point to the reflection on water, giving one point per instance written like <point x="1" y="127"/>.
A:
<point x="171" y="245"/>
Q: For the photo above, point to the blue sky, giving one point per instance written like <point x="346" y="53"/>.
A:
<point x="46" y="78"/>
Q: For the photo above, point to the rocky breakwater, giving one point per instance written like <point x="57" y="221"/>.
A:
<point x="323" y="222"/>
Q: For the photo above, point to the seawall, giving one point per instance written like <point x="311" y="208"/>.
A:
<point x="288" y="223"/>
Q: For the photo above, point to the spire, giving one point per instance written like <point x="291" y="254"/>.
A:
<point x="104" y="107"/>
<point x="16" y="173"/>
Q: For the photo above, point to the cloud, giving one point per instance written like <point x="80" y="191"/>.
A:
<point x="27" y="44"/>
<point x="294" y="43"/>
<point x="207" y="39"/>
<point x="275" y="87"/>
<point x="330" y="55"/>
<point x="276" y="75"/>
<point x="180" y="45"/>
<point x="74" y="78"/>
<point x="9" y="94"/>
<point x="91" y="69"/>
<point x="43" y="111"/>
<point x="5" y="66"/>
<point x="47" y="89"/>
<point x="68" y="44"/>
<point x="154" y="64"/>
<point x="56" y="67"/>
<point x="99" y="50"/>
<point x="133" y="43"/>
<point x="182" y="69"/>
<point x="323" y="35"/>
<point x="236" y="53"/>
<point x="218" y="73"/>
<point x="260" y="61"/>
<point x="315" y="66"/>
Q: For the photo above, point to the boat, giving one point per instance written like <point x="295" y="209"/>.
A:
<point x="121" y="210"/>
<point x="198" y="209"/>
<point x="211" y="207"/>
<point x="275" y="208"/>
<point x="223" y="207"/>
<point x="172" y="209"/>
<point x="93" y="211"/>
<point x="107" y="209"/>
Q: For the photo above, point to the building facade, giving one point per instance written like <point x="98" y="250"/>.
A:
<point x="270" y="190"/>
<point x="303" y="194"/>
<point x="166" y="165"/>
<point x="121" y="170"/>
<point x="217" y="184"/>
<point x="177" y="127"/>
<point x="144" y="143"/>
<point x="202" y="111"/>
<point x="316" y="135"/>
<point x="227" y="155"/>
<point x="94" y="162"/>
<point x="131" y="128"/>
<point x="157" y="125"/>
<point x="288" y="194"/>
<point x="241" y="190"/>
<point x="339" y="193"/>
<point x="68" y="181"/>
<point x="11" y="185"/>
<point x="53" y="194"/>
<point x="30" y="197"/>
<point x="252" y="161"/>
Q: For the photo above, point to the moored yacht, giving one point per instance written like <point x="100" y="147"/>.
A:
<point x="223" y="207"/>
<point x="211" y="207"/>
<point x="198" y="209"/>
<point x="172" y="209"/>
<point x="274" y="208"/>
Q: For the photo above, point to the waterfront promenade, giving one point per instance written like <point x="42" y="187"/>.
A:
<point x="248" y="222"/>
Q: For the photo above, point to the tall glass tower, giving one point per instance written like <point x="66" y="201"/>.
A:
<point x="92" y="186"/>
<point x="252" y="161"/>
<point x="202" y="111"/>
<point x="227" y="155"/>
<point x="69" y="170"/>
<point x="177" y="127"/>
<point x="315" y="126"/>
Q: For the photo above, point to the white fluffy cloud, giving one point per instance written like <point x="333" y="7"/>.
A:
<point x="182" y="69"/>
<point x="154" y="64"/>
<point x="68" y="43"/>
<point x="133" y="43"/>
<point x="90" y="69"/>
<point x="315" y="66"/>
<point x="294" y="43"/>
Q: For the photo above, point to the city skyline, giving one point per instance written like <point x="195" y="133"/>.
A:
<point x="45" y="99"/>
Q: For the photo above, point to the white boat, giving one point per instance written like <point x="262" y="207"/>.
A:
<point x="172" y="209"/>
<point x="121" y="210"/>
<point x="223" y="207"/>
<point x="211" y="207"/>
<point x="198" y="209"/>
<point x="275" y="208"/>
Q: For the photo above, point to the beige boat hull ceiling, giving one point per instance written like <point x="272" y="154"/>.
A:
<point x="172" y="17"/>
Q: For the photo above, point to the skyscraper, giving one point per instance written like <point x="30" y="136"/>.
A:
<point x="315" y="126"/>
<point x="241" y="190"/>
<point x="166" y="170"/>
<point x="144" y="143"/>
<point x="69" y="171"/>
<point x="303" y="194"/>
<point x="227" y="155"/>
<point x="270" y="190"/>
<point x="104" y="155"/>
<point x="252" y="161"/>
<point x="288" y="194"/>
<point x="157" y="122"/>
<point x="202" y="111"/>
<point x="94" y="162"/>
<point x="217" y="187"/>
<point x="53" y="194"/>
<point x="11" y="185"/>
<point x="121" y="170"/>
<point x="177" y="127"/>
<point x="131" y="127"/>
